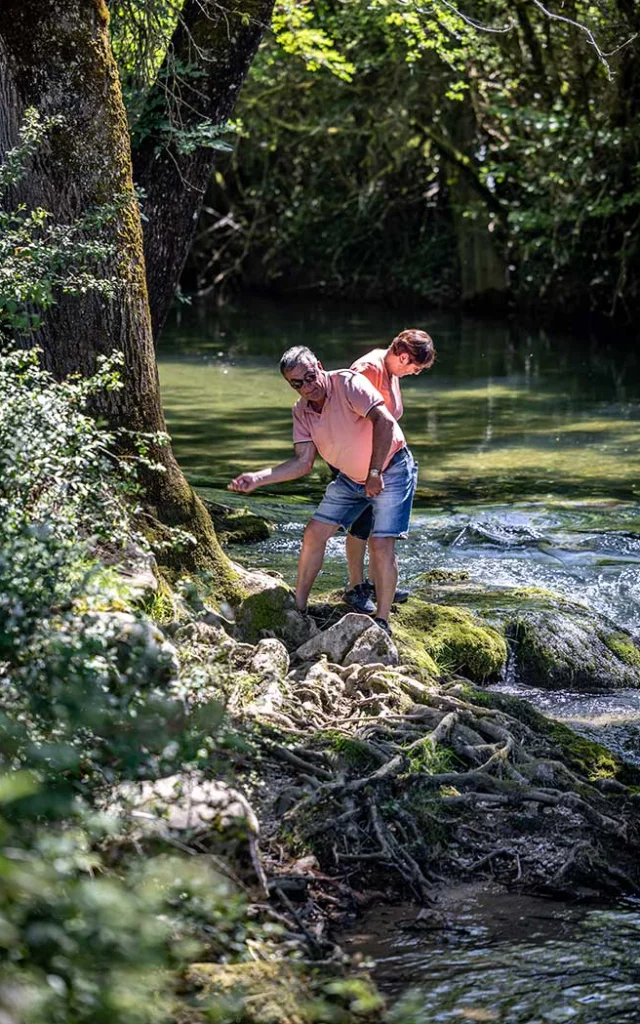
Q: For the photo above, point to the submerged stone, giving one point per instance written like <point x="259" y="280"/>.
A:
<point x="237" y="525"/>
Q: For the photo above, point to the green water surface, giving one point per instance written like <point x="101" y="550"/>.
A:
<point x="507" y="412"/>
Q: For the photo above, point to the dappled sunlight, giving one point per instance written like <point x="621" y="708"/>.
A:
<point x="539" y="422"/>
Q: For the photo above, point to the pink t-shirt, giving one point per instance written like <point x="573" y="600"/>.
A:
<point x="341" y="432"/>
<point x="373" y="366"/>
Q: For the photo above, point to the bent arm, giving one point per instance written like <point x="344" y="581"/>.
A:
<point x="383" y="423"/>
<point x="304" y="456"/>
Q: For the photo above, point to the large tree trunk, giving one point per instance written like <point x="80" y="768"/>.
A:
<point x="55" y="55"/>
<point x="220" y="41"/>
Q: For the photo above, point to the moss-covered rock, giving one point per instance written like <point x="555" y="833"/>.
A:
<point x="557" y="643"/>
<point x="573" y="650"/>
<point x="583" y="755"/>
<point x="273" y="612"/>
<point x="237" y="525"/>
<point x="452" y="639"/>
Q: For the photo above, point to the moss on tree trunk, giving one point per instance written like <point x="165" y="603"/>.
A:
<point x="56" y="56"/>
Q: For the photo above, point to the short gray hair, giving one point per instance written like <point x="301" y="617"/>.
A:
<point x="294" y="356"/>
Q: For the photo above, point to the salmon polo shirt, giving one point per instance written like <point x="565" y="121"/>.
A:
<point x="374" y="368"/>
<point x="340" y="431"/>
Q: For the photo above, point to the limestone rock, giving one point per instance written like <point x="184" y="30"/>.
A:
<point x="374" y="646"/>
<point x="201" y="632"/>
<point x="185" y="802"/>
<point x="325" y="674"/>
<point x="268" y="698"/>
<point x="336" y="641"/>
<point x="271" y="659"/>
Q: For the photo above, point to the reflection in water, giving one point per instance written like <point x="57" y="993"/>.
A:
<point x="511" y="959"/>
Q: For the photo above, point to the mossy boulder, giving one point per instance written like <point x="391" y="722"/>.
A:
<point x="452" y="639"/>
<point x="573" y="651"/>
<point x="273" y="612"/>
<point x="237" y="525"/>
<point x="556" y="643"/>
<point x="578" y="752"/>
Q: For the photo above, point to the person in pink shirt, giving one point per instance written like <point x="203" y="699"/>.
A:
<point x="411" y="352"/>
<point x="340" y="415"/>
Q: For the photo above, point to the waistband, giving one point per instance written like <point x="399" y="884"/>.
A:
<point x="401" y="453"/>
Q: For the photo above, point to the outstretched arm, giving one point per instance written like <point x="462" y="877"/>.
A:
<point x="302" y="463"/>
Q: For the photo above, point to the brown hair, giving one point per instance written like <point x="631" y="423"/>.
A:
<point x="418" y="346"/>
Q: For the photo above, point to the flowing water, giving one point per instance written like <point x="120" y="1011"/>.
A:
<point x="529" y="451"/>
<point x="508" y="958"/>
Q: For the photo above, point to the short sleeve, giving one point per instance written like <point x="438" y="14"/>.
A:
<point x="361" y="394"/>
<point x="300" y="426"/>
<point x="371" y="371"/>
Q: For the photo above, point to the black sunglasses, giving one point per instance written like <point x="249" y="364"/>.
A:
<point x="308" y="378"/>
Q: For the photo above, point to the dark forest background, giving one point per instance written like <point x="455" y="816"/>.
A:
<point x="413" y="153"/>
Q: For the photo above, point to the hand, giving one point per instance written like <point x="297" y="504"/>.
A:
<point x="245" y="483"/>
<point x="374" y="485"/>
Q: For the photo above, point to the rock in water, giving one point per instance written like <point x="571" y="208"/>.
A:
<point x="572" y="651"/>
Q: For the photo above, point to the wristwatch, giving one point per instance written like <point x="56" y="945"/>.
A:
<point x="374" y="472"/>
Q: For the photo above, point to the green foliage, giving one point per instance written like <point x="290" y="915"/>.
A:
<point x="378" y="137"/>
<point x="91" y="693"/>
<point x="38" y="258"/>
<point x="428" y="759"/>
<point x="155" y="82"/>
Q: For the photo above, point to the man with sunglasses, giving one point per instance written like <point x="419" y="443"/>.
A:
<point x="343" y="417"/>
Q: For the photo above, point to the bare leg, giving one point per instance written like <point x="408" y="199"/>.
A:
<point x="356" y="548"/>
<point x="314" y="542"/>
<point x="384" y="569"/>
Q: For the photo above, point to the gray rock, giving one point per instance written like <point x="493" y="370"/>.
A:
<point x="373" y="647"/>
<point x="271" y="659"/>
<point x="336" y="641"/>
<point x="201" y="633"/>
<point x="323" y="673"/>
<point x="573" y="651"/>
<point x="268" y="698"/>
<point x="273" y="612"/>
<point x="189" y="809"/>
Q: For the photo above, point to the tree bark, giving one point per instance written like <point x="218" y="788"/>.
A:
<point x="55" y="55"/>
<point x="220" y="42"/>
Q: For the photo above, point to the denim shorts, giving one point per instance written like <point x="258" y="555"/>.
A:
<point x="344" y="500"/>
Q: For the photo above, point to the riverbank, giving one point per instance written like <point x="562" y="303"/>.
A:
<point x="374" y="774"/>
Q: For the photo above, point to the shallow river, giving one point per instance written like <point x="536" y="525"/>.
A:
<point x="529" y="453"/>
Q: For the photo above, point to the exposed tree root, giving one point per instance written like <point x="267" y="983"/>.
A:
<point x="383" y="787"/>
